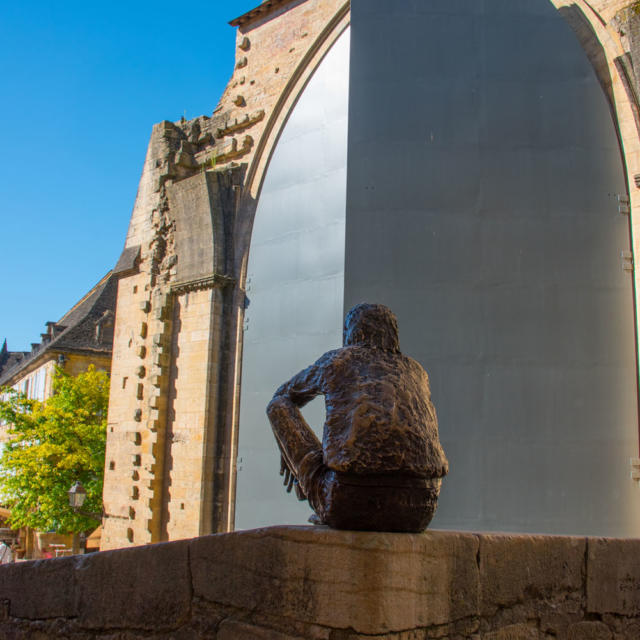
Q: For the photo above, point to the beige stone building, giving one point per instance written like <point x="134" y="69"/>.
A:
<point x="172" y="451"/>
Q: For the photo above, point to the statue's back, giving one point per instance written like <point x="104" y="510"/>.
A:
<point x="380" y="418"/>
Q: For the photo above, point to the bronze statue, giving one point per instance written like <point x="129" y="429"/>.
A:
<point x="380" y="464"/>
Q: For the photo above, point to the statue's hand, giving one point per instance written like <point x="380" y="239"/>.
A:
<point x="300" y="494"/>
<point x="290" y="480"/>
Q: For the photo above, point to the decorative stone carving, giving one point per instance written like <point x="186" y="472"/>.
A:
<point x="380" y="464"/>
<point x="237" y="124"/>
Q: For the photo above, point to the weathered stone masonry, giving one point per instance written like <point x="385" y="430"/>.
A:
<point x="170" y="454"/>
<point x="294" y="583"/>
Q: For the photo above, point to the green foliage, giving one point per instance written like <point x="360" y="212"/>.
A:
<point x="211" y="163"/>
<point x="51" y="445"/>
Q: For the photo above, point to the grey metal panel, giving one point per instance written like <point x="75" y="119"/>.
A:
<point x="482" y="173"/>
<point x="295" y="282"/>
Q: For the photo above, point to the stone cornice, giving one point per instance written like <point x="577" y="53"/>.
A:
<point x="213" y="281"/>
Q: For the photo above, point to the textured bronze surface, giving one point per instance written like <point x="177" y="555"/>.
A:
<point x="380" y="464"/>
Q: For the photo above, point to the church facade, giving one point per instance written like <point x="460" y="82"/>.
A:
<point x="476" y="167"/>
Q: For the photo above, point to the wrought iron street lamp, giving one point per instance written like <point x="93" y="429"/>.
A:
<point x="77" y="496"/>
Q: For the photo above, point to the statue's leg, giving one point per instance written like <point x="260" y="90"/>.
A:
<point x="298" y="444"/>
<point x="379" y="503"/>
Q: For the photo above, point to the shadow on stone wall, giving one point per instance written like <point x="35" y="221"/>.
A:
<point x="283" y="583"/>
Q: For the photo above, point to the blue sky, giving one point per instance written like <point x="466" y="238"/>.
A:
<point x="81" y="85"/>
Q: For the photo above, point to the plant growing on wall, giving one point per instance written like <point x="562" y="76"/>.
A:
<point x="51" y="445"/>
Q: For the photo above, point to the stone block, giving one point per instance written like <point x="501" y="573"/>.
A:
<point x="515" y="568"/>
<point x="39" y="589"/>
<point x="513" y="632"/>
<point x="554" y="621"/>
<point x="226" y="147"/>
<point x="160" y="309"/>
<point x="140" y="588"/>
<point x="161" y="360"/>
<point x="158" y="402"/>
<point x="369" y="582"/>
<point x="613" y="576"/>
<point x="232" y="630"/>
<point x="630" y="630"/>
<point x="589" y="631"/>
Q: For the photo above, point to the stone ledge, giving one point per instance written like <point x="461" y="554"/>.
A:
<point x="369" y="582"/>
<point x="313" y="582"/>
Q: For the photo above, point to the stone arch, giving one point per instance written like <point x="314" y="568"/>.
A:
<point x="603" y="47"/>
<point x="295" y="277"/>
<point x="594" y="26"/>
<point x="248" y="204"/>
<point x="277" y="120"/>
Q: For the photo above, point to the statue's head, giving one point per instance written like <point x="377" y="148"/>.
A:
<point x="371" y="325"/>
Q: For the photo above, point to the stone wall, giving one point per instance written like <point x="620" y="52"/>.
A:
<point x="288" y="583"/>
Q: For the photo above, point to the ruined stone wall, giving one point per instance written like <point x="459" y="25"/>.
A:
<point x="170" y="462"/>
<point x="294" y="583"/>
<point x="187" y="400"/>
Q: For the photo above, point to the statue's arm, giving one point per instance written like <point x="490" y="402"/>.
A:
<point x="302" y="388"/>
<point x="298" y="444"/>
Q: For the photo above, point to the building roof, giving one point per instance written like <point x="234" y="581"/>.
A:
<point x="128" y="261"/>
<point x="261" y="11"/>
<point x="79" y="330"/>
<point x="9" y="359"/>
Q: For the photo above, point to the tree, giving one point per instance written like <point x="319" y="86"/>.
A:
<point x="51" y="445"/>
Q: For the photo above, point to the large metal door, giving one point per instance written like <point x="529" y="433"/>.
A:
<point x="483" y="177"/>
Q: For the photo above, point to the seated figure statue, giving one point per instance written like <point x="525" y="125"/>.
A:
<point x="380" y="464"/>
